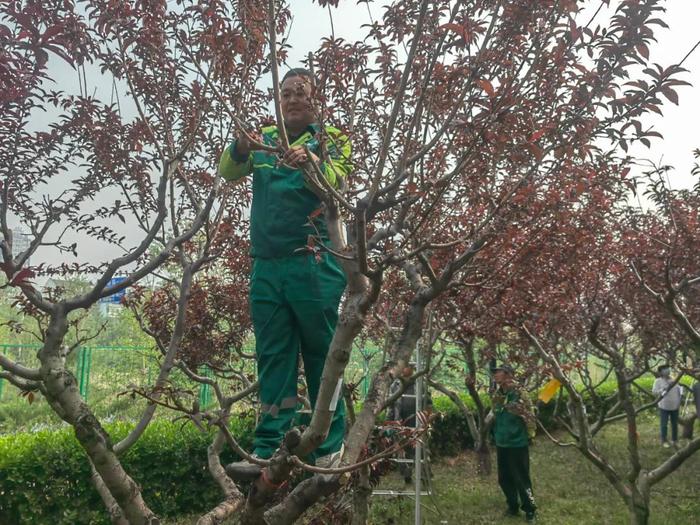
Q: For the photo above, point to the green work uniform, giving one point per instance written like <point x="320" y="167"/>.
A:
<point x="513" y="425"/>
<point x="513" y="418"/>
<point x="294" y="293"/>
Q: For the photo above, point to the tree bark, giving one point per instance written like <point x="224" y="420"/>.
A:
<point x="639" y="502"/>
<point x="62" y="390"/>
<point x="360" y="498"/>
<point x="299" y="500"/>
<point x="687" y="425"/>
<point x="481" y="444"/>
<point x="483" y="451"/>
<point x="116" y="514"/>
<point x="233" y="498"/>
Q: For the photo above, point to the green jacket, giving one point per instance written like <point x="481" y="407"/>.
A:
<point x="282" y="214"/>
<point x="514" y="420"/>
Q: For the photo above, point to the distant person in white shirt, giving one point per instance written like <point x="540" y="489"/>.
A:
<point x="668" y="405"/>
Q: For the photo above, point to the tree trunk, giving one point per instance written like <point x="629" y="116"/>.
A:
<point x="638" y="503"/>
<point x="360" y="498"/>
<point x="481" y="441"/>
<point x="687" y="423"/>
<point x="639" y="514"/>
<point x="233" y="498"/>
<point x="483" y="455"/>
<point x="62" y="390"/>
<point x="116" y="514"/>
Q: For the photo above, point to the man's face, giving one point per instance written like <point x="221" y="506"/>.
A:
<point x="297" y="105"/>
<point x="502" y="378"/>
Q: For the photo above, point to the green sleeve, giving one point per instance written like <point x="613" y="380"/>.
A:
<point x="232" y="167"/>
<point x="521" y="407"/>
<point x="338" y="165"/>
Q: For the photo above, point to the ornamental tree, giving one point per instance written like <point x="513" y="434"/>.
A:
<point x="476" y="127"/>
<point x="132" y="175"/>
<point x="603" y="311"/>
<point x="488" y="119"/>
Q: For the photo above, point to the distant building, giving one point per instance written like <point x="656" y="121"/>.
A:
<point x="110" y="305"/>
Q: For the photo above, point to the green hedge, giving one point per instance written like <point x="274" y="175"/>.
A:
<point x="450" y="433"/>
<point x="45" y="479"/>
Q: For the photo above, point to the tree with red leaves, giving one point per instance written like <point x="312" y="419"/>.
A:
<point x="486" y="137"/>
<point x="627" y="300"/>
<point x="134" y="177"/>
<point x="605" y="286"/>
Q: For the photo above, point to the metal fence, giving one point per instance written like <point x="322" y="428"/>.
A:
<point x="105" y="372"/>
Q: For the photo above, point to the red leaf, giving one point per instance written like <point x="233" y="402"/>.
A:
<point x="28" y="395"/>
<point x="487" y="86"/>
<point x="536" y="135"/>
<point x="643" y="50"/>
<point x="575" y="31"/>
<point x="21" y="277"/>
<point x="24" y="34"/>
<point x="60" y="52"/>
<point x="51" y="32"/>
<point x="456" y="28"/>
<point x="316" y="213"/>
<point x="670" y="94"/>
<point x="535" y="150"/>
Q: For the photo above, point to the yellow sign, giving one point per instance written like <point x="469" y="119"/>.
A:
<point x="551" y="388"/>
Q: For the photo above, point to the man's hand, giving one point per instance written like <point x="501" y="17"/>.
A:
<point x="245" y="146"/>
<point x="296" y="156"/>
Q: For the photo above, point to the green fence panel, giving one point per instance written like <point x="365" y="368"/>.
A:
<point x="205" y="389"/>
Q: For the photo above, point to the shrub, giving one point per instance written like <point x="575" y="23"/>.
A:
<point x="45" y="478"/>
<point x="450" y="433"/>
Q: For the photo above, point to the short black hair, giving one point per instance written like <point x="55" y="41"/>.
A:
<point x="300" y="72"/>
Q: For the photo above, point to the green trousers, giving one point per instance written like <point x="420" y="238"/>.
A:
<point x="294" y="305"/>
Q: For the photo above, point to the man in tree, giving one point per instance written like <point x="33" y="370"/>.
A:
<point x="295" y="287"/>
<point x="669" y="404"/>
<point x="514" y="425"/>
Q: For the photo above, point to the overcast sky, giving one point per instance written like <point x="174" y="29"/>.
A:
<point x="310" y="24"/>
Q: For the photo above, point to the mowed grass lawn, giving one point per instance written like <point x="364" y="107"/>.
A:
<point x="568" y="489"/>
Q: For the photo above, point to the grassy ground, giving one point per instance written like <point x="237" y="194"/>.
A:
<point x="568" y="489"/>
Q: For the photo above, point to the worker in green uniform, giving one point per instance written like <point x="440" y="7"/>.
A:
<point x="294" y="290"/>
<point x="514" y="425"/>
